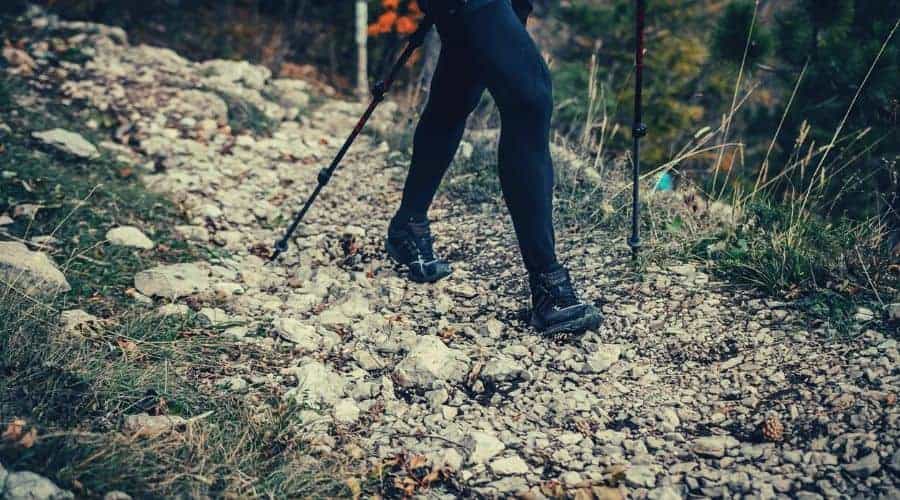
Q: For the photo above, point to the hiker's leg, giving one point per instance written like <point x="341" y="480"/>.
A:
<point x="518" y="79"/>
<point x="455" y="91"/>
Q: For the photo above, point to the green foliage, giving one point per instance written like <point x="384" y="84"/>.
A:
<point x="680" y="85"/>
<point x="828" y="13"/>
<point x="730" y="37"/>
<point x="244" y="116"/>
<point x="838" y="42"/>
<point x="826" y="263"/>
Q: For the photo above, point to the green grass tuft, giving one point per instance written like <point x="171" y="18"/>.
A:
<point x="244" y="116"/>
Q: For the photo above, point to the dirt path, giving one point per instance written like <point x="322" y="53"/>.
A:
<point x="669" y="398"/>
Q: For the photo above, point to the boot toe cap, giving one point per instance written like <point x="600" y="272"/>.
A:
<point x="429" y="272"/>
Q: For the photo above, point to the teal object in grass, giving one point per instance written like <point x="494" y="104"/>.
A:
<point x="664" y="182"/>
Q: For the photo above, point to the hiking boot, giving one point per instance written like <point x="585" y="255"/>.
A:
<point x="409" y="243"/>
<point x="556" y="309"/>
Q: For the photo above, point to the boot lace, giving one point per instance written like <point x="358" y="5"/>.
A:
<point x="559" y="286"/>
<point x="421" y="242"/>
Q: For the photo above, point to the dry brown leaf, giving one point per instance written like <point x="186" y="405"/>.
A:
<point x="126" y="345"/>
<point x="431" y="477"/>
<point x="552" y="488"/>
<point x="447" y="334"/>
<point x="417" y="462"/>
<point x="16" y="434"/>
<point x="14" y="430"/>
<point x="355" y="488"/>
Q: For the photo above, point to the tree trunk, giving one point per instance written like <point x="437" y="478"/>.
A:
<point x="362" y="23"/>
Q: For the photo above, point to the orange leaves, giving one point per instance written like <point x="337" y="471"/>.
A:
<point x="395" y="19"/>
<point x="384" y="24"/>
<point x="406" y="26"/>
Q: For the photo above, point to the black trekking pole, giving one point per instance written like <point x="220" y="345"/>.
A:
<point x="638" y="131"/>
<point x="378" y="92"/>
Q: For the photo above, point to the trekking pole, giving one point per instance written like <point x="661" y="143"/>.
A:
<point x="378" y="92"/>
<point x="638" y="131"/>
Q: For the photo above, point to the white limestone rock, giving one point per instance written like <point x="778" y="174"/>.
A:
<point x="508" y="466"/>
<point x="25" y="485"/>
<point x="303" y="335"/>
<point x="147" y="425"/>
<point x="68" y="142"/>
<point x="605" y="356"/>
<point x="482" y="446"/>
<point x="173" y="281"/>
<point x="74" y="320"/>
<point x="129" y="236"/>
<point x="33" y="273"/>
<point x="429" y="364"/>
<point x="316" y="384"/>
<point x="346" y="411"/>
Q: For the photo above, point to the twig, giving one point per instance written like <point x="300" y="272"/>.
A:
<point x="431" y="436"/>
<point x="868" y="278"/>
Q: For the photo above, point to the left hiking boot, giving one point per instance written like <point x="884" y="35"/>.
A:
<point x="555" y="306"/>
<point x="410" y="243"/>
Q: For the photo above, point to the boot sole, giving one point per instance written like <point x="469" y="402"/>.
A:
<point x="395" y="256"/>
<point x="578" y="325"/>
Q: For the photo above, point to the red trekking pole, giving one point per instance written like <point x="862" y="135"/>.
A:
<point x="638" y="131"/>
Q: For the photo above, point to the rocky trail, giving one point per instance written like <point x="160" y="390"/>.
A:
<point x="691" y="388"/>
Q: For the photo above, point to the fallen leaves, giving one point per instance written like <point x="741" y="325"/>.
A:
<point x="410" y="475"/>
<point x="18" y="435"/>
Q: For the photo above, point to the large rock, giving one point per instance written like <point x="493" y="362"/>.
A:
<point x="605" y="356"/>
<point x="172" y="281"/>
<point x="509" y="466"/>
<point x="429" y="364"/>
<point x="482" y="446"/>
<point x="714" y="446"/>
<point x="198" y="105"/>
<point x="504" y="369"/>
<point x="290" y="93"/>
<point x="237" y="72"/>
<point x="864" y="467"/>
<point x="74" y="320"/>
<point x="353" y="307"/>
<point x="316" y="384"/>
<point x="33" y="273"/>
<point x="26" y="485"/>
<point x="292" y="330"/>
<point x="129" y="236"/>
<point x="67" y="142"/>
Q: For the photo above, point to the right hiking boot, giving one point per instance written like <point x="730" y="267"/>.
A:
<point x="409" y="243"/>
<point x="555" y="306"/>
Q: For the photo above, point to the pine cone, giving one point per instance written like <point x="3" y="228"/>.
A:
<point x="772" y="429"/>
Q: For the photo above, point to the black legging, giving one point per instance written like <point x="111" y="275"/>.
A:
<point x="489" y="48"/>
